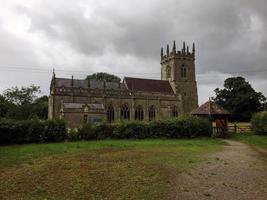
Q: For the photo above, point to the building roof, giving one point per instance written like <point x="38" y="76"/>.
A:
<point x="148" y="85"/>
<point x="210" y="108"/>
<point x="94" y="84"/>
<point x="129" y="83"/>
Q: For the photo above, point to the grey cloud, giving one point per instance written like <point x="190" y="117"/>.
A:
<point x="230" y="36"/>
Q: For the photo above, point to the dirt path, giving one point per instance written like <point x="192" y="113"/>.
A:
<point x="237" y="172"/>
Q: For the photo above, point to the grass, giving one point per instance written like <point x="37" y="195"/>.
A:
<point x="252" y="139"/>
<point x="115" y="169"/>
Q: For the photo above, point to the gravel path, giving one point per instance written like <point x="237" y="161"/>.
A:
<point x="237" y="172"/>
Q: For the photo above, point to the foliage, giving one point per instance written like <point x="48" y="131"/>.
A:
<point x="171" y="128"/>
<point x="187" y="126"/>
<point x="39" y="108"/>
<point x="4" y="106"/>
<point x="73" y="135"/>
<point x="31" y="131"/>
<point x="22" y="104"/>
<point x="104" y="130"/>
<point x="102" y="76"/>
<point x="131" y="130"/>
<point x="259" y="123"/>
<point x="87" y="132"/>
<point x="239" y="98"/>
<point x="21" y="96"/>
<point x="36" y="131"/>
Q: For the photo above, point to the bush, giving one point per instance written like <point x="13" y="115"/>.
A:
<point x="31" y="131"/>
<point x="187" y="126"/>
<point x="54" y="131"/>
<point x="259" y="123"/>
<point x="131" y="130"/>
<point x="87" y="132"/>
<point x="104" y="131"/>
<point x="73" y="135"/>
<point x="16" y="132"/>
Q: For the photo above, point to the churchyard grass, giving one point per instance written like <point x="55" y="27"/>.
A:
<point x="109" y="169"/>
<point x="251" y="139"/>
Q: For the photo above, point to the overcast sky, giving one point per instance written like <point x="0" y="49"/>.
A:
<point x="124" y="37"/>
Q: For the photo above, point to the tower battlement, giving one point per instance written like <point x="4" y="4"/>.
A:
<point x="184" y="53"/>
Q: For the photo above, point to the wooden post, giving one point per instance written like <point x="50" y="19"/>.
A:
<point x="235" y="128"/>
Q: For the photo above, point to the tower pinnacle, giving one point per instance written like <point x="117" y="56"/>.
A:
<point x="174" y="47"/>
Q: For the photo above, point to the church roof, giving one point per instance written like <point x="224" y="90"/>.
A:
<point x="210" y="108"/>
<point x="94" y="84"/>
<point x="148" y="85"/>
<point x="129" y="83"/>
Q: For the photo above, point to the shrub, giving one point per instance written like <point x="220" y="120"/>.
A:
<point x="187" y="126"/>
<point x="259" y="123"/>
<point x="130" y="130"/>
<point x="104" y="131"/>
<point x="29" y="131"/>
<point x="54" y="131"/>
<point x="73" y="135"/>
<point x="87" y="132"/>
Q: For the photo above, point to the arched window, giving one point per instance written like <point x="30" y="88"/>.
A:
<point x="152" y="113"/>
<point x="110" y="113"/>
<point x="139" y="113"/>
<point x="168" y="71"/>
<point x="183" y="71"/>
<point x="125" y="112"/>
<point x="174" y="111"/>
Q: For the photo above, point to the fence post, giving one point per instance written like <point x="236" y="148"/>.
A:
<point x="235" y="128"/>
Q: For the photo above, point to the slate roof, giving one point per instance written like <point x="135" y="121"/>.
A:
<point x="129" y="83"/>
<point x="148" y="85"/>
<point x="94" y="84"/>
<point x="210" y="108"/>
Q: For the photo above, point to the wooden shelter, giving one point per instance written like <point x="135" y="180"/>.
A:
<point x="216" y="114"/>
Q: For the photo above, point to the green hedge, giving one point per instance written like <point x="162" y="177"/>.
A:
<point x="32" y="131"/>
<point x="259" y="123"/>
<point x="36" y="131"/>
<point x="182" y="127"/>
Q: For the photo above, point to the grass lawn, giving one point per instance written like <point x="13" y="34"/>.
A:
<point x="252" y="139"/>
<point x="115" y="169"/>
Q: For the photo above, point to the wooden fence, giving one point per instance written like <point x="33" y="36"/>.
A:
<point x="233" y="128"/>
<point x="239" y="128"/>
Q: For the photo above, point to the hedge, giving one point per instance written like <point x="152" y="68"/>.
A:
<point x="36" y="131"/>
<point x="182" y="127"/>
<point x="259" y="123"/>
<point x="32" y="131"/>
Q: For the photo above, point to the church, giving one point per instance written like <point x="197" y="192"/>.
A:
<point x="91" y="101"/>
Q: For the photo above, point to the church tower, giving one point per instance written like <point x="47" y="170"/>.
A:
<point x="178" y="67"/>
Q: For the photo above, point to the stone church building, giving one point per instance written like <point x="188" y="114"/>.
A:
<point x="83" y="101"/>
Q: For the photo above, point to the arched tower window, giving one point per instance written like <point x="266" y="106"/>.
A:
<point x="174" y="111"/>
<point x="168" y="72"/>
<point x="139" y="113"/>
<point x="110" y="113"/>
<point x="183" y="71"/>
<point x="152" y="113"/>
<point x="125" y="112"/>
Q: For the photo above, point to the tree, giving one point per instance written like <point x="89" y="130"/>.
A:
<point x="22" y="103"/>
<point x="239" y="98"/>
<point x="4" y="106"/>
<point x="23" y="95"/>
<point x="102" y="76"/>
<point x="40" y="108"/>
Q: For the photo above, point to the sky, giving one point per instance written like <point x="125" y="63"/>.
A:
<point x="124" y="37"/>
